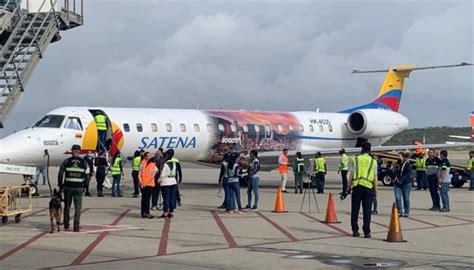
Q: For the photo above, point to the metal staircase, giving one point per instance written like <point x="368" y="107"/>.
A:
<point x="27" y="27"/>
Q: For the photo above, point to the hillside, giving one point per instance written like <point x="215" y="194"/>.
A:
<point x="432" y="135"/>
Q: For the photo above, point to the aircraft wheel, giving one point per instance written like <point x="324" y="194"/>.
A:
<point x="458" y="184"/>
<point x="18" y="218"/>
<point x="4" y="219"/>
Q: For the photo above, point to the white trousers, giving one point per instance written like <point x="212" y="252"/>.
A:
<point x="284" y="178"/>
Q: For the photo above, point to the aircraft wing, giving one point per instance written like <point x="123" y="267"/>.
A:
<point x="271" y="157"/>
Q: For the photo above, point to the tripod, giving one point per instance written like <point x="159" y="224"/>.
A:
<point x="307" y="190"/>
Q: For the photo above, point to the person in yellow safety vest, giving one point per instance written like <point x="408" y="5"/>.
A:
<point x="320" y="169"/>
<point x="298" y="169"/>
<point x="421" y="180"/>
<point x="343" y="168"/>
<point x="117" y="173"/>
<point x="470" y="170"/>
<point x="135" y="171"/>
<point x="283" y="168"/>
<point x="101" y="124"/>
<point x="363" y="182"/>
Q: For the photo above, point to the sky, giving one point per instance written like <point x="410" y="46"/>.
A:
<point x="257" y="55"/>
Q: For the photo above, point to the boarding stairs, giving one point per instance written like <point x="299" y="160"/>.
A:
<point x="27" y="27"/>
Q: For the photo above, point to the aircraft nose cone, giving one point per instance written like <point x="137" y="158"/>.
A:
<point x="16" y="149"/>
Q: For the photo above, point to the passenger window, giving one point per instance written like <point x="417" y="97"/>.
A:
<point x="73" y="123"/>
<point x="209" y="127"/>
<point x="311" y="128"/>
<point x="154" y="127"/>
<point x="257" y="128"/>
<point x="268" y="128"/>
<point x="321" y="128"/>
<point x="280" y="128"/>
<point x="330" y="128"/>
<point x="196" y="128"/>
<point x="168" y="127"/>
<point x="233" y="128"/>
<point x="139" y="127"/>
<point x="301" y="129"/>
<point x="245" y="128"/>
<point x="221" y="128"/>
<point x="290" y="127"/>
<point x="126" y="127"/>
<point x="182" y="127"/>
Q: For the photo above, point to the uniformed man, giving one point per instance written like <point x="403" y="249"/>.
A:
<point x="179" y="176"/>
<point x="321" y="170"/>
<point x="420" y="163"/>
<point x="71" y="176"/>
<point x="117" y="174"/>
<point x="343" y="168"/>
<point x="432" y="168"/>
<point x="470" y="170"/>
<point x="363" y="182"/>
<point x="101" y="124"/>
<point x="298" y="169"/>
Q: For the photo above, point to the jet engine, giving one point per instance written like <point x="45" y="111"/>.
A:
<point x="370" y="123"/>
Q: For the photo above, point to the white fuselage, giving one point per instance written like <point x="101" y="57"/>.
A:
<point x="195" y="135"/>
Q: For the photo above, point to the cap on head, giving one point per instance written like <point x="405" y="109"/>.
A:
<point x="342" y="151"/>
<point x="169" y="153"/>
<point x="76" y="147"/>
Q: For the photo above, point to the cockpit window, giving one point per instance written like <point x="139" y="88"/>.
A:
<point x="73" y="123"/>
<point x="50" y="121"/>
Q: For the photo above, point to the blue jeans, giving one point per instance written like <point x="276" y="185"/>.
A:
<point x="421" y="182"/>
<point x="403" y="191"/>
<point x="444" y="195"/>
<point x="116" y="184"/>
<point x="225" y="186"/>
<point x="253" y="187"/>
<point x="169" y="198"/>
<point x="433" y="184"/>
<point x="320" y="180"/>
<point x="102" y="137"/>
<point x="40" y="171"/>
<point x="471" y="179"/>
<point x="234" y="195"/>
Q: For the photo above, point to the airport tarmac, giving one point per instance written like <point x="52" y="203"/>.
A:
<point x="200" y="236"/>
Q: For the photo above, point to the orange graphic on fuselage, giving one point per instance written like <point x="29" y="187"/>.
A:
<point x="90" y="139"/>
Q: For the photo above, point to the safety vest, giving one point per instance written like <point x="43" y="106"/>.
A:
<point x="147" y="174"/>
<point x="74" y="172"/>
<point x="319" y="165"/>
<point x="172" y="163"/>
<point x="136" y="163"/>
<point x="116" y="166"/>
<point x="470" y="163"/>
<point x="364" y="173"/>
<point x="421" y="164"/>
<point x="344" y="165"/>
<point x="283" y="168"/>
<point x="300" y="164"/>
<point x="100" y="122"/>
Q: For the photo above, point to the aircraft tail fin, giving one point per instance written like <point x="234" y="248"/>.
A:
<point x="390" y="93"/>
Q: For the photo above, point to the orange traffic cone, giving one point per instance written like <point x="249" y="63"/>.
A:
<point x="331" y="211"/>
<point x="279" y="204"/>
<point x="394" y="229"/>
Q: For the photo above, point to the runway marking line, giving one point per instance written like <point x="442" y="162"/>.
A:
<point x="34" y="213"/>
<point x="327" y="224"/>
<point x="228" y="237"/>
<point x="425" y="222"/>
<point x="96" y="242"/>
<point x="458" y="218"/>
<point x="29" y="241"/>
<point x="278" y="227"/>
<point x="164" y="237"/>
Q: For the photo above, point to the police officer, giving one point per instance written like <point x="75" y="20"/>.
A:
<point x="320" y="169"/>
<point x="179" y="175"/>
<point x="343" y="168"/>
<point x="420" y="163"/>
<point x="432" y="168"/>
<point x="363" y="181"/>
<point x="71" y="176"/>
<point x="298" y="169"/>
<point x="101" y="124"/>
<point x="470" y="170"/>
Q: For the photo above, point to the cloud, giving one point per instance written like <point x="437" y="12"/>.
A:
<point x="266" y="56"/>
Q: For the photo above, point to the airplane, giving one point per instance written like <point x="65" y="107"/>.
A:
<point x="472" y="130"/>
<point x="203" y="136"/>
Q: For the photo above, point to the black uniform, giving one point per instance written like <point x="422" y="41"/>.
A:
<point x="71" y="176"/>
<point x="432" y="169"/>
<point x="101" y="165"/>
<point x="90" y="163"/>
